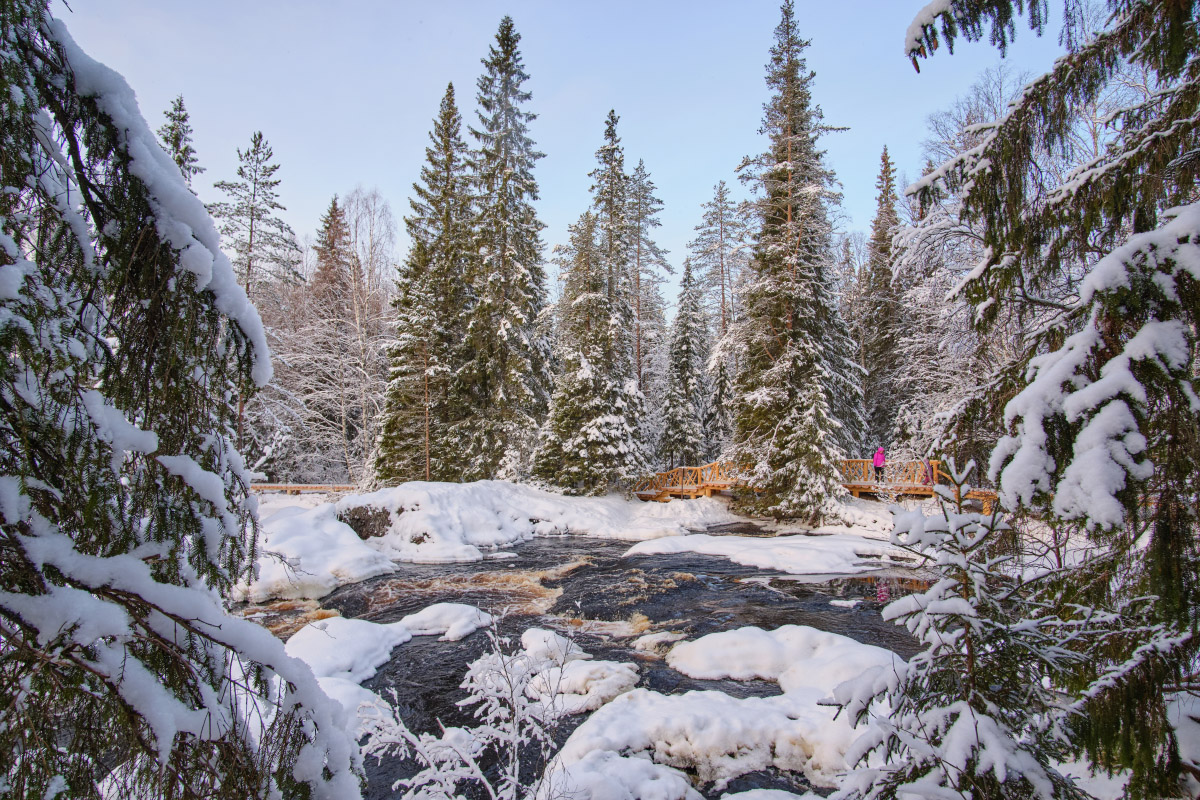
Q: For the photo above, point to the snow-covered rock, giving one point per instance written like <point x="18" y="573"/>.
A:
<point x="794" y="656"/>
<point x="346" y="648"/>
<point x="449" y="621"/>
<point x="830" y="554"/>
<point x="308" y="552"/>
<point x="605" y="775"/>
<point x="343" y="653"/>
<point x="719" y="737"/>
<point x="580" y="686"/>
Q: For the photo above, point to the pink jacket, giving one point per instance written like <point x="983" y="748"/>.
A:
<point x="879" y="459"/>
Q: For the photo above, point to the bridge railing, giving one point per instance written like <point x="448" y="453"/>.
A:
<point x="895" y="473"/>
<point x="716" y="474"/>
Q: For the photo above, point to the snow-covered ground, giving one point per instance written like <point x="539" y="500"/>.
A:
<point x="800" y="554"/>
<point x="307" y="551"/>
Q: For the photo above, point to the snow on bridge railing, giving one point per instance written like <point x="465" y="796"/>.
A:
<point x="297" y="488"/>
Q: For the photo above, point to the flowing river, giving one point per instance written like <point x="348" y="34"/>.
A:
<point x="585" y="588"/>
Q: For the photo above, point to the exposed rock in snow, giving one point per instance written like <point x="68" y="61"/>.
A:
<point x="308" y="552"/>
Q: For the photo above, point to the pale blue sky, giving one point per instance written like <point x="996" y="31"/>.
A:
<point x="345" y="92"/>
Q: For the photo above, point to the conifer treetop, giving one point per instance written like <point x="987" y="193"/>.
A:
<point x="260" y="237"/>
<point x="176" y="134"/>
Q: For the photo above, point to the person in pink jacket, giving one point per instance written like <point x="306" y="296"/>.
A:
<point x="879" y="461"/>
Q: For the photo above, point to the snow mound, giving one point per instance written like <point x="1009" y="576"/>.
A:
<point x="651" y="642"/>
<point x="342" y="653"/>
<point x="604" y="775"/>
<point x="449" y="621"/>
<point x="770" y="794"/>
<point x="350" y="649"/>
<point x="580" y="686"/>
<point x="718" y="736"/>
<point x="794" y="656"/>
<point x="831" y="554"/>
<point x="543" y="645"/>
<point x="307" y="553"/>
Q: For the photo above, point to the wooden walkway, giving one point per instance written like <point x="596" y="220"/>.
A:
<point x="689" y="482"/>
<point x="297" y="488"/>
<point x="901" y="479"/>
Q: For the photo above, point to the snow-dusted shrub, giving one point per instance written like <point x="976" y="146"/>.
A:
<point x="518" y="696"/>
<point x="1010" y="663"/>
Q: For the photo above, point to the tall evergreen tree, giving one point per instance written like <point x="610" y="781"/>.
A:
<point x="647" y="262"/>
<point x="610" y="202"/>
<point x="683" y="441"/>
<point x="507" y="383"/>
<point x="1102" y="432"/>
<point x="799" y="386"/>
<point x="880" y="303"/>
<point x="176" y="136"/>
<point x="262" y="242"/>
<point x="126" y="513"/>
<point x="432" y="306"/>
<point x="716" y="254"/>
<point x="591" y="441"/>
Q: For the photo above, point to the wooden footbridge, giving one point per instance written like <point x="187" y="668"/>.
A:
<point x="899" y="479"/>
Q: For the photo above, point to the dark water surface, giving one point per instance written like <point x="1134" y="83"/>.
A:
<point x="575" y="585"/>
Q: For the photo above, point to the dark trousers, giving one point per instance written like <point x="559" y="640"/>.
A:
<point x="879" y="474"/>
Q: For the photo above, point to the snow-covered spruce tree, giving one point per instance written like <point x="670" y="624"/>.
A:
<point x="883" y="323"/>
<point x="981" y="712"/>
<point x="506" y="383"/>
<point x="647" y="264"/>
<point x="591" y="442"/>
<point x="176" y="136"/>
<point x="1104" y="429"/>
<point x="718" y="255"/>
<point x="264" y="245"/>
<point x="125" y="511"/>
<point x="432" y="305"/>
<point x="610" y="203"/>
<point x="683" y="441"/>
<point x="799" y="390"/>
<point x="718" y="420"/>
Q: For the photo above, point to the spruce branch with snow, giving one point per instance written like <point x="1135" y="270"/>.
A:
<point x="125" y="507"/>
<point x="1103" y="427"/>
<point x="980" y="712"/>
